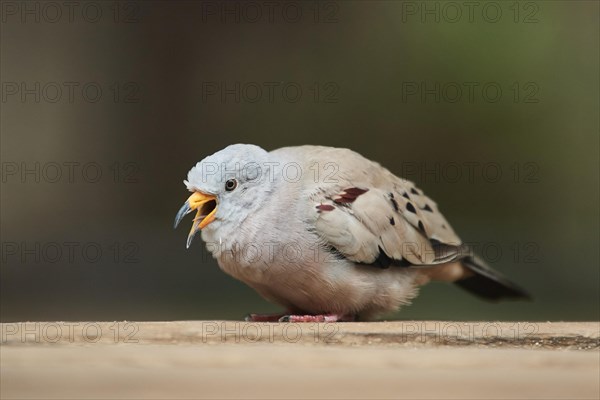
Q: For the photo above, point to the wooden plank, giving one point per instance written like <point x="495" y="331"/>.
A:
<point x="228" y="359"/>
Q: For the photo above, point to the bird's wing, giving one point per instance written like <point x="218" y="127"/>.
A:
<point x="371" y="216"/>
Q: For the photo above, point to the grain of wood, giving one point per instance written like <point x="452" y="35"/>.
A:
<point x="227" y="359"/>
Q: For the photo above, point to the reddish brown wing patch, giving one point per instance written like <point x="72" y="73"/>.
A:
<point x="325" y="207"/>
<point x="349" y="195"/>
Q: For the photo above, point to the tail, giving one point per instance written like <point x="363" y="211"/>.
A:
<point x="488" y="283"/>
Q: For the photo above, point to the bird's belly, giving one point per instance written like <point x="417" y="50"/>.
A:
<point x="316" y="281"/>
<point x="337" y="287"/>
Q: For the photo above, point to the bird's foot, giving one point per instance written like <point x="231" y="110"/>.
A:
<point x="264" y="317"/>
<point x="319" y="318"/>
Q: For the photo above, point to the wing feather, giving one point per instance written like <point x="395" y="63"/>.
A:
<point x="400" y="221"/>
<point x="366" y="210"/>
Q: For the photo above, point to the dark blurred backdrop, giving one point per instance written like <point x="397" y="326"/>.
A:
<point x="492" y="109"/>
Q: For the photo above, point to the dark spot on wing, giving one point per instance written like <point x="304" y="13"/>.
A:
<point x="411" y="208"/>
<point x="392" y="221"/>
<point x="405" y="195"/>
<point x="349" y="195"/>
<point x="421" y="226"/>
<point x="394" y="203"/>
<point x="325" y="207"/>
<point x="427" y="208"/>
<point x="414" y="191"/>
<point x="355" y="191"/>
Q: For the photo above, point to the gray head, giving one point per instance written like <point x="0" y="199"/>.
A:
<point x="226" y="187"/>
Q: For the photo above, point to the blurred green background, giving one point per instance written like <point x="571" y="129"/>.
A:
<point x="357" y="65"/>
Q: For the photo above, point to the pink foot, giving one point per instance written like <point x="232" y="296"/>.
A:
<point x="264" y="317"/>
<point x="318" y="318"/>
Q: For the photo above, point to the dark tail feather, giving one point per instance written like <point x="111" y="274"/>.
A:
<point x="488" y="283"/>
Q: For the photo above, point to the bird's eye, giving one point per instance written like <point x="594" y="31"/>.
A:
<point x="230" y="185"/>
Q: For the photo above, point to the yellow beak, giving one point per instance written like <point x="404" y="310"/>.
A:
<point x="206" y="204"/>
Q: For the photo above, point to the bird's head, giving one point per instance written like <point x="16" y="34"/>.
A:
<point x="226" y="186"/>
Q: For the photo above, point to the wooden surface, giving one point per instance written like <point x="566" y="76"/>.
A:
<point x="219" y="359"/>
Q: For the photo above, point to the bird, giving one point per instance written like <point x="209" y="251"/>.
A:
<point x="327" y="234"/>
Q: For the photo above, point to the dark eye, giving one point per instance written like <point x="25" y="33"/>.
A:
<point x="230" y="185"/>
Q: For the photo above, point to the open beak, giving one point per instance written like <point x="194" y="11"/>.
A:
<point x="206" y="204"/>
